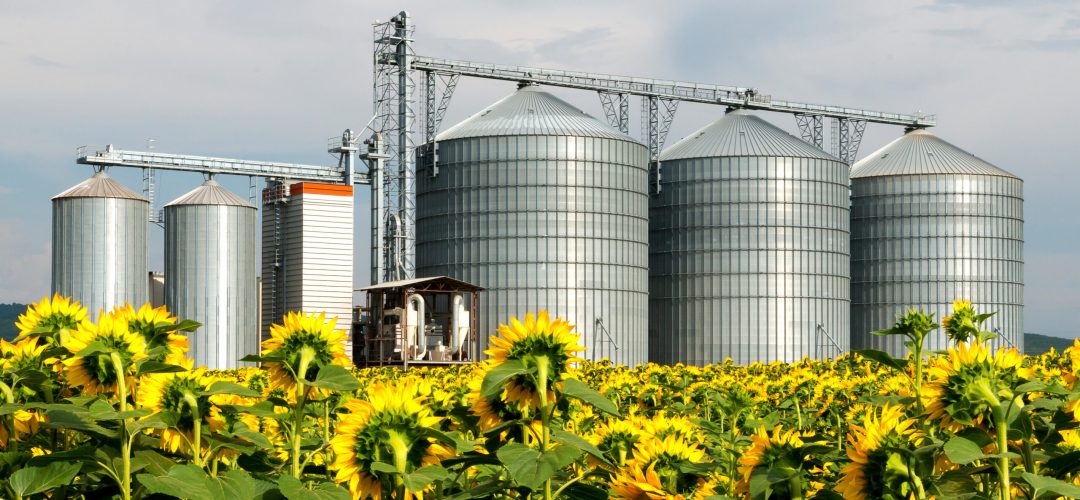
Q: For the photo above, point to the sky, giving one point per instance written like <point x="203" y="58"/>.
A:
<point x="274" y="79"/>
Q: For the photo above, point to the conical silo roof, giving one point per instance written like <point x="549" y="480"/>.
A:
<point x="100" y="185"/>
<point x="740" y="133"/>
<point x="531" y="111"/>
<point x="920" y="152"/>
<point x="210" y="193"/>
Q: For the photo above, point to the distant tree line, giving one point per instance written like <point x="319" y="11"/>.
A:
<point x="9" y="314"/>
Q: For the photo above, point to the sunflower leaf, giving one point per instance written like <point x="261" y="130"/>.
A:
<point x="152" y="422"/>
<point x="33" y="480"/>
<point x="962" y="450"/>
<point x="419" y="479"/>
<point x="498" y="376"/>
<point x="292" y="489"/>
<point x="158" y="367"/>
<point x="883" y="358"/>
<point x="91" y="349"/>
<point x="61" y="419"/>
<point x="225" y="387"/>
<point x="573" y="440"/>
<point x="1049" y="486"/>
<point x="577" y="389"/>
<point x="186" y="325"/>
<point x="335" y="378"/>
<point x="530" y="468"/>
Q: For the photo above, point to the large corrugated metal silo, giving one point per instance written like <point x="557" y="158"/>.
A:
<point x="931" y="223"/>
<point x="748" y="248"/>
<point x="210" y="271"/>
<point x="547" y="208"/>
<point x="99" y="244"/>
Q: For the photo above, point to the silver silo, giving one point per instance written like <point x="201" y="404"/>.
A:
<point x="210" y="273"/>
<point x="748" y="248"/>
<point x="547" y="208"/>
<point x="931" y="223"/>
<point x="99" y="244"/>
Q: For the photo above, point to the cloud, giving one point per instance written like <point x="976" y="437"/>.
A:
<point x="25" y="261"/>
<point x="42" y="62"/>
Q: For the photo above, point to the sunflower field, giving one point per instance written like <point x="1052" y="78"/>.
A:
<point x="113" y="408"/>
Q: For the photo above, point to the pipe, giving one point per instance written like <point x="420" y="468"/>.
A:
<point x="459" y="321"/>
<point x="416" y="303"/>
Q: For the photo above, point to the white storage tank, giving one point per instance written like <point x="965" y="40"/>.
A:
<point x="99" y="244"/>
<point x="547" y="208"/>
<point x="748" y="248"/>
<point x="210" y="273"/>
<point x="931" y="223"/>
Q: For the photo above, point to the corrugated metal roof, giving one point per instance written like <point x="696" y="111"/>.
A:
<point x="210" y="193"/>
<point x="740" y="133"/>
<point x="920" y="152"/>
<point x="100" y="185"/>
<point x="441" y="282"/>
<point x="531" y="111"/>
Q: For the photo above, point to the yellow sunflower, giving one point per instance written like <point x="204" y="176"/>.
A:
<point x="616" y="439"/>
<point x="27" y="423"/>
<point x="768" y="449"/>
<point x="58" y="316"/>
<point x="966" y="382"/>
<point x="633" y="483"/>
<point x="876" y="470"/>
<point x="496" y="409"/>
<point x="658" y="468"/>
<point x="95" y="372"/>
<point x="388" y="427"/>
<point x="298" y="335"/>
<point x="537" y="341"/>
<point x="148" y="322"/>
<point x="166" y="392"/>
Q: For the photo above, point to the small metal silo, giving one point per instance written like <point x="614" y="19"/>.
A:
<point x="210" y="273"/>
<point x="748" y="248"/>
<point x="99" y="244"/>
<point x="931" y="223"/>
<point x="547" y="208"/>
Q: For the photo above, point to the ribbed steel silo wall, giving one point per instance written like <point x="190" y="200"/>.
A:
<point x="210" y="278"/>
<point x="99" y="251"/>
<point x="924" y="240"/>
<point x="544" y="222"/>
<point x="749" y="260"/>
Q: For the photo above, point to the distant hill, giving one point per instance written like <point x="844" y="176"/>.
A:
<point x="1039" y="344"/>
<point x="9" y="314"/>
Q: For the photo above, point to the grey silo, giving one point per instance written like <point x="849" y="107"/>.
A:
<point x="931" y="223"/>
<point x="748" y="248"/>
<point x="547" y="208"/>
<point x="99" y="244"/>
<point x="210" y="273"/>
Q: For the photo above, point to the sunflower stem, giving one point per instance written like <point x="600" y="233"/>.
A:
<point x="795" y="487"/>
<point x="307" y="355"/>
<point x="542" y="369"/>
<point x="401" y="460"/>
<point x="196" y="448"/>
<point x="125" y="442"/>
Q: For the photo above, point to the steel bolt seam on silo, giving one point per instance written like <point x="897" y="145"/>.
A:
<point x="546" y="207"/>
<point x="748" y="248"/>
<point x="932" y="223"/>
<point x="99" y="244"/>
<point x="210" y="273"/>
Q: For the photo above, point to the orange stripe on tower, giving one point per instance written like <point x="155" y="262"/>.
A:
<point x="320" y="188"/>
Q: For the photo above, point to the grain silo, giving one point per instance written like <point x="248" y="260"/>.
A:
<point x="547" y="208"/>
<point x="931" y="223"/>
<point x="748" y="248"/>
<point x="99" y="244"/>
<point x="210" y="273"/>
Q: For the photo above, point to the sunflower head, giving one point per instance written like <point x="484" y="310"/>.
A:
<point x="156" y="326"/>
<point x="616" y="439"/>
<point x="779" y="448"/>
<point x="540" y="343"/>
<point x="659" y="468"/>
<point x="172" y="392"/>
<point x="52" y="319"/>
<point x="969" y="380"/>
<point x="877" y="469"/>
<point x="95" y="371"/>
<point x="303" y="339"/>
<point x="388" y="427"/>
